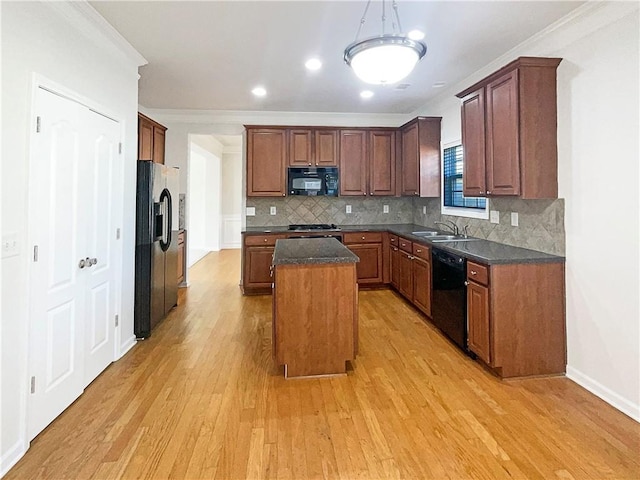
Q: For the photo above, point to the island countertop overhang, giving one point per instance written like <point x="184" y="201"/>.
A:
<point x="309" y="251"/>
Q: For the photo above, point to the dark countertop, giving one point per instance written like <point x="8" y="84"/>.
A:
<point x="306" y="251"/>
<point x="483" y="251"/>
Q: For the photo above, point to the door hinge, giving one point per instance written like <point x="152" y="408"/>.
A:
<point x="33" y="384"/>
<point x="117" y="234"/>
<point x="120" y="147"/>
<point x="35" y="253"/>
<point x="117" y="320"/>
<point x="37" y="124"/>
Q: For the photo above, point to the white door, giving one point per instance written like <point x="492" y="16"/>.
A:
<point x="102" y="172"/>
<point x="71" y="304"/>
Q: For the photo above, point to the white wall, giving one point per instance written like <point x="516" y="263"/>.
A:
<point x="70" y="45"/>
<point x="232" y="198"/>
<point x="598" y="135"/>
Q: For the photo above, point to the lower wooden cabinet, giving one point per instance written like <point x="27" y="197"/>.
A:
<point x="422" y="285"/>
<point x="516" y="320"/>
<point x="257" y="256"/>
<point x="411" y="271"/>
<point x="368" y="247"/>
<point x="181" y="257"/>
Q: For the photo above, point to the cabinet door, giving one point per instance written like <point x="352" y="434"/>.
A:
<point x="405" y="286"/>
<point x="326" y="148"/>
<point x="266" y="162"/>
<point x="422" y="285"/>
<point x="353" y="162"/>
<point x="369" y="268"/>
<point x="473" y="142"/>
<point x="145" y="139"/>
<point x="258" y="266"/>
<point x="158" y="145"/>
<point x="382" y="163"/>
<point x="300" y="148"/>
<point x="478" y="321"/>
<point x="394" y="258"/>
<point x="410" y="172"/>
<point x="503" y="153"/>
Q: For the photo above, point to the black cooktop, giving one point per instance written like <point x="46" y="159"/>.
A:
<point x="314" y="226"/>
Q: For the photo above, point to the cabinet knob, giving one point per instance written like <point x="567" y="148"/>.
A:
<point x="419" y="251"/>
<point x="466" y="283"/>
<point x="364" y="193"/>
<point x="266" y="239"/>
<point x="473" y="272"/>
<point x="488" y="192"/>
<point x="283" y="194"/>
<point x="363" y="237"/>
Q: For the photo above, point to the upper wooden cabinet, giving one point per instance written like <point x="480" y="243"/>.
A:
<point x="313" y="147"/>
<point x="419" y="172"/>
<point x="150" y="139"/>
<point x="509" y="131"/>
<point x="367" y="161"/>
<point x="266" y="162"/>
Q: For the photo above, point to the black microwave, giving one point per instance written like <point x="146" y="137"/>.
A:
<point x="313" y="181"/>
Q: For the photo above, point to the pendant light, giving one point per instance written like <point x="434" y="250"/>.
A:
<point x="386" y="58"/>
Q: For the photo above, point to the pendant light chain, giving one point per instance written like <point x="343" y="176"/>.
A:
<point x="395" y="10"/>
<point x="362" y="20"/>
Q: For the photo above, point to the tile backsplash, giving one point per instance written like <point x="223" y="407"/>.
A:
<point x="540" y="223"/>
<point x="290" y="210"/>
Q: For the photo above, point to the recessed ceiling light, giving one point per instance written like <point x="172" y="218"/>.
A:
<point x="313" y="64"/>
<point x="438" y="85"/>
<point x="259" y="92"/>
<point x="416" y="35"/>
<point x="366" y="94"/>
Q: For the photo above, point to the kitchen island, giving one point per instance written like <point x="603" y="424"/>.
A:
<point x="315" y="306"/>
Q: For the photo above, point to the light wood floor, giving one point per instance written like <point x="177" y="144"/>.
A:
<point x="201" y="400"/>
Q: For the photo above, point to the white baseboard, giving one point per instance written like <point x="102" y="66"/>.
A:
<point x="612" y="398"/>
<point x="12" y="455"/>
<point x="231" y="228"/>
<point x="126" y="346"/>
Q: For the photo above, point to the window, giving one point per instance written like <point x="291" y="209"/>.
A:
<point x="453" y="201"/>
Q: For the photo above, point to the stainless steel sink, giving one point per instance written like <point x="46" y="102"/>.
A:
<point x="451" y="238"/>
<point x="430" y="233"/>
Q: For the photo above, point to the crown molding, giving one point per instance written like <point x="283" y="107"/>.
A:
<point x="276" y="118"/>
<point x="84" y="18"/>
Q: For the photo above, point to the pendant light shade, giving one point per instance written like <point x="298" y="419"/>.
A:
<point x="384" y="59"/>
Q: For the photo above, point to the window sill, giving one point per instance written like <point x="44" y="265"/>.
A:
<point x="466" y="212"/>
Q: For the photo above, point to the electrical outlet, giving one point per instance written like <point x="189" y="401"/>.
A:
<point x="272" y="210"/>
<point x="348" y="209"/>
<point x="251" y="211"/>
<point x="514" y="219"/>
<point x="494" y="216"/>
<point x="9" y="245"/>
<point x="424" y="210"/>
<point x="385" y="209"/>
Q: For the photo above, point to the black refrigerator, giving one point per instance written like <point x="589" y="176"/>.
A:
<point x="156" y="267"/>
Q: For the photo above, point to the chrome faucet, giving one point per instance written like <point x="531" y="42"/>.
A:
<point x="450" y="226"/>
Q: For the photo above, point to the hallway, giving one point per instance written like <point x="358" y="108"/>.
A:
<point x="201" y="399"/>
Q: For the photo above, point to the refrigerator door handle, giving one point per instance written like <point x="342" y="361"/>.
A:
<point x="165" y="200"/>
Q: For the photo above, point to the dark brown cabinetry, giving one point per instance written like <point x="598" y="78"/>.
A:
<point x="509" y="131"/>
<point x="257" y="256"/>
<point x="181" y="257"/>
<point x="151" y="139"/>
<point x="410" y="265"/>
<point x="266" y="162"/>
<point x="516" y="318"/>
<point x="313" y="147"/>
<point x="368" y="247"/>
<point x="422" y="278"/>
<point x="368" y="162"/>
<point x="419" y="171"/>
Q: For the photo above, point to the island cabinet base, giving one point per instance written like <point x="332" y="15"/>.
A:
<point x="315" y="318"/>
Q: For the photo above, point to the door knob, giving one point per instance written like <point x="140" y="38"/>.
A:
<point x="81" y="263"/>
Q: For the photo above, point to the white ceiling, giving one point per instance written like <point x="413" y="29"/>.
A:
<point x="209" y="55"/>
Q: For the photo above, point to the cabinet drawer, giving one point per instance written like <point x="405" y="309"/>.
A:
<point x="405" y="245"/>
<point x="478" y="273"/>
<point x="362" y="237"/>
<point x="422" y="252"/>
<point x="255" y="240"/>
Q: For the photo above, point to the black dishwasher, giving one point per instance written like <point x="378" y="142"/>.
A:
<point x="449" y="296"/>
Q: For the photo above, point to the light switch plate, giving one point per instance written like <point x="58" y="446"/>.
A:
<point x="514" y="219"/>
<point x="348" y="209"/>
<point x="251" y="211"/>
<point x="10" y="245"/>
<point x="272" y="210"/>
<point x="385" y="209"/>
<point x="494" y="216"/>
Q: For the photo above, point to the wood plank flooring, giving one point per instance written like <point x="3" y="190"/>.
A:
<point x="201" y="399"/>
